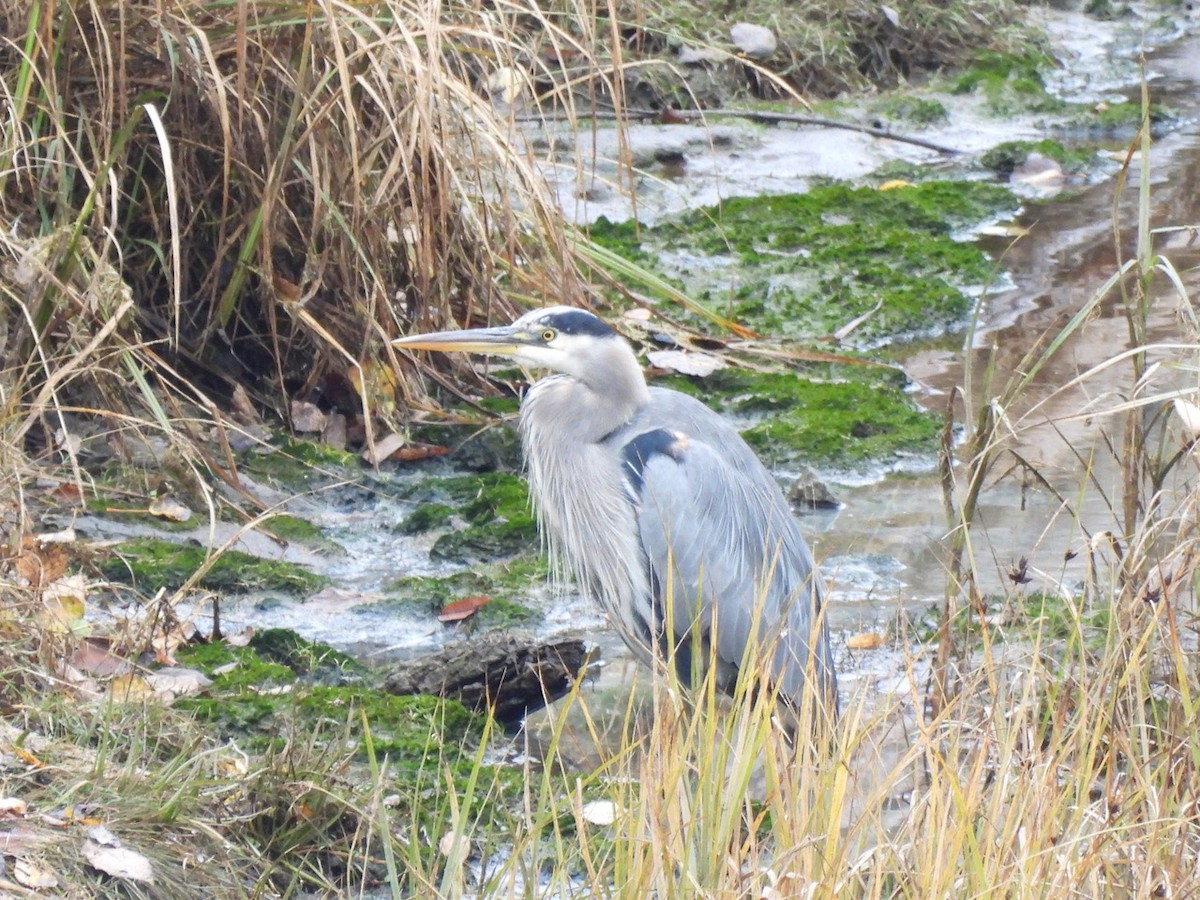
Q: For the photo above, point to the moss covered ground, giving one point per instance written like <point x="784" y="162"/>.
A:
<point x="149" y="564"/>
<point x="805" y="266"/>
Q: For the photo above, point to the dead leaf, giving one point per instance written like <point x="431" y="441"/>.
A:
<point x="39" y="564"/>
<point x="177" y="682"/>
<point x="686" y="362"/>
<point x="600" y="812"/>
<point x="505" y="85"/>
<point x="1004" y="229"/>
<point x="377" y="383"/>
<point x="33" y="876"/>
<point x="13" y="807"/>
<point x="167" y="641"/>
<point x="894" y="184"/>
<point x="167" y="507"/>
<point x="68" y="441"/>
<point x="278" y="690"/>
<point x="28" y="758"/>
<point x="233" y="766"/>
<point x="119" y="862"/>
<point x="418" y="452"/>
<point x="129" y="688"/>
<point x="64" y="603"/>
<point x="67" y="492"/>
<point x="846" y="330"/>
<point x="462" y="609"/>
<point x="242" y="409"/>
<point x="93" y="656"/>
<point x="451" y="839"/>
<point x="384" y="448"/>
<point x="866" y="641"/>
<point x="1189" y="415"/>
<point x="288" y="291"/>
<point x="307" y="417"/>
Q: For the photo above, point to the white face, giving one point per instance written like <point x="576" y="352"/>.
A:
<point x="546" y="346"/>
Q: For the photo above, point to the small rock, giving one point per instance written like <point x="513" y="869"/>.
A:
<point x="810" y="492"/>
<point x="307" y="417"/>
<point x="754" y="41"/>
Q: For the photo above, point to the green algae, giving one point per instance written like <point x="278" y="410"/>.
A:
<point x="906" y="107"/>
<point x="496" y="447"/>
<point x="294" y="528"/>
<point x="863" y="416"/>
<point x="150" y="565"/>
<point x="494" y="507"/>
<point x="805" y="265"/>
<point x="1010" y="83"/>
<point x="426" y="518"/>
<point x="298" y="464"/>
<point x="508" y="585"/>
<point x="1120" y="121"/>
<point x="261" y="700"/>
<point x="430" y="747"/>
<point x="1036" y="616"/>
<point x="308" y="659"/>
<point x="1004" y="158"/>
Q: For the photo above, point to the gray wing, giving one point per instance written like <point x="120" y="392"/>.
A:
<point x="722" y="548"/>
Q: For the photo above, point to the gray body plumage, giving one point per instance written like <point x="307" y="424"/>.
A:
<point x="659" y="509"/>
<point x="707" y="520"/>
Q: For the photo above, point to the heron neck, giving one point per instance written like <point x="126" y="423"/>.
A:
<point x="585" y="407"/>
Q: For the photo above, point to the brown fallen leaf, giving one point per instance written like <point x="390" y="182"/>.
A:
<point x="452" y="839"/>
<point x="462" y="609"/>
<point x="67" y="492"/>
<point x="240" y="638"/>
<point x="28" y="758"/>
<point x="417" y="452"/>
<point x="335" y="431"/>
<point x="866" y="641"/>
<point x="38" y="563"/>
<point x="94" y="657"/>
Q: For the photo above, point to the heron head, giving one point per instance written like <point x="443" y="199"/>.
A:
<point x="561" y="338"/>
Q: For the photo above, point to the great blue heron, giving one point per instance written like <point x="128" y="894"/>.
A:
<point x="658" y="507"/>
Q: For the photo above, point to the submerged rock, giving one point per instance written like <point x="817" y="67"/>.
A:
<point x="810" y="492"/>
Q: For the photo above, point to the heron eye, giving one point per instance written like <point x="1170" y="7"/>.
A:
<point x="548" y="335"/>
